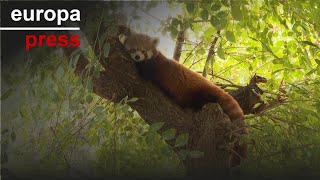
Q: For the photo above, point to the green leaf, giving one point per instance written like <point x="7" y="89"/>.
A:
<point x="230" y="36"/>
<point x="220" y="53"/>
<point x="74" y="59"/>
<point x="196" y="154"/>
<point x="169" y="134"/>
<point x="156" y="126"/>
<point x="125" y="108"/>
<point x="256" y="105"/>
<point x="100" y="117"/>
<point x="173" y="31"/>
<point x="89" y="85"/>
<point x="222" y="15"/>
<point x="216" y="6"/>
<point x="182" y="154"/>
<point x="91" y="54"/>
<point x="175" y="22"/>
<point x="13" y="136"/>
<point x="201" y="51"/>
<point x="236" y="11"/>
<point x="75" y="52"/>
<point x="59" y="72"/>
<point x="219" y="21"/>
<point x="134" y="99"/>
<point x="106" y="49"/>
<point x="102" y="38"/>
<point x="204" y="14"/>
<point x="317" y="61"/>
<point x="215" y="22"/>
<point x="182" y="140"/>
<point x="225" y="2"/>
<point x="98" y="109"/>
<point x="89" y="99"/>
<point x="96" y="71"/>
<point x="209" y="32"/>
<point x="6" y="94"/>
<point x="190" y="7"/>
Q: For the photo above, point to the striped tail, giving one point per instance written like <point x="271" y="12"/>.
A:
<point x="230" y="106"/>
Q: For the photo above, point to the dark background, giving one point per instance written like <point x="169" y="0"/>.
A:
<point x="13" y="42"/>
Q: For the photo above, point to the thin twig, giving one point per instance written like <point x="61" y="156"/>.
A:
<point x="210" y="53"/>
<point x="189" y="55"/>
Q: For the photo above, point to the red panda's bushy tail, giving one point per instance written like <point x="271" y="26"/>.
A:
<point x="230" y="106"/>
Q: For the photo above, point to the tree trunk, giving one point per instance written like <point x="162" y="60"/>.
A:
<point x="179" y="44"/>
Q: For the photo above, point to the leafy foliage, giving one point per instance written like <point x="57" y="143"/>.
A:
<point x="61" y="119"/>
<point x="278" y="40"/>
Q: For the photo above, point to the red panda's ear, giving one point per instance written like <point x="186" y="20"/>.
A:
<point x="155" y="41"/>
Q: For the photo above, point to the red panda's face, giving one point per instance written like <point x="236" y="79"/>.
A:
<point x="141" y="47"/>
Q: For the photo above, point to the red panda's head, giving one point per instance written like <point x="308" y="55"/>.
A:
<point x="140" y="46"/>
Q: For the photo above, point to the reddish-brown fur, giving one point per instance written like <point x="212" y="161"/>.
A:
<point x="186" y="87"/>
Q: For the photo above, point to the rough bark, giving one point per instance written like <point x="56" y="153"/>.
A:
<point x="179" y="45"/>
<point x="209" y="129"/>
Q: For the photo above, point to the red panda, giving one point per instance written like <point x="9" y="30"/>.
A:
<point x="186" y="87"/>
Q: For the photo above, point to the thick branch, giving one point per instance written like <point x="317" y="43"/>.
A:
<point x="179" y="45"/>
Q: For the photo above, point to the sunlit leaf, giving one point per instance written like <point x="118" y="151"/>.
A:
<point x="230" y="36"/>
<point x="236" y="11"/>
<point x="220" y="53"/>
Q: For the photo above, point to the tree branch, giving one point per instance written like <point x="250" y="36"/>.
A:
<point x="179" y="45"/>
<point x="210" y="53"/>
